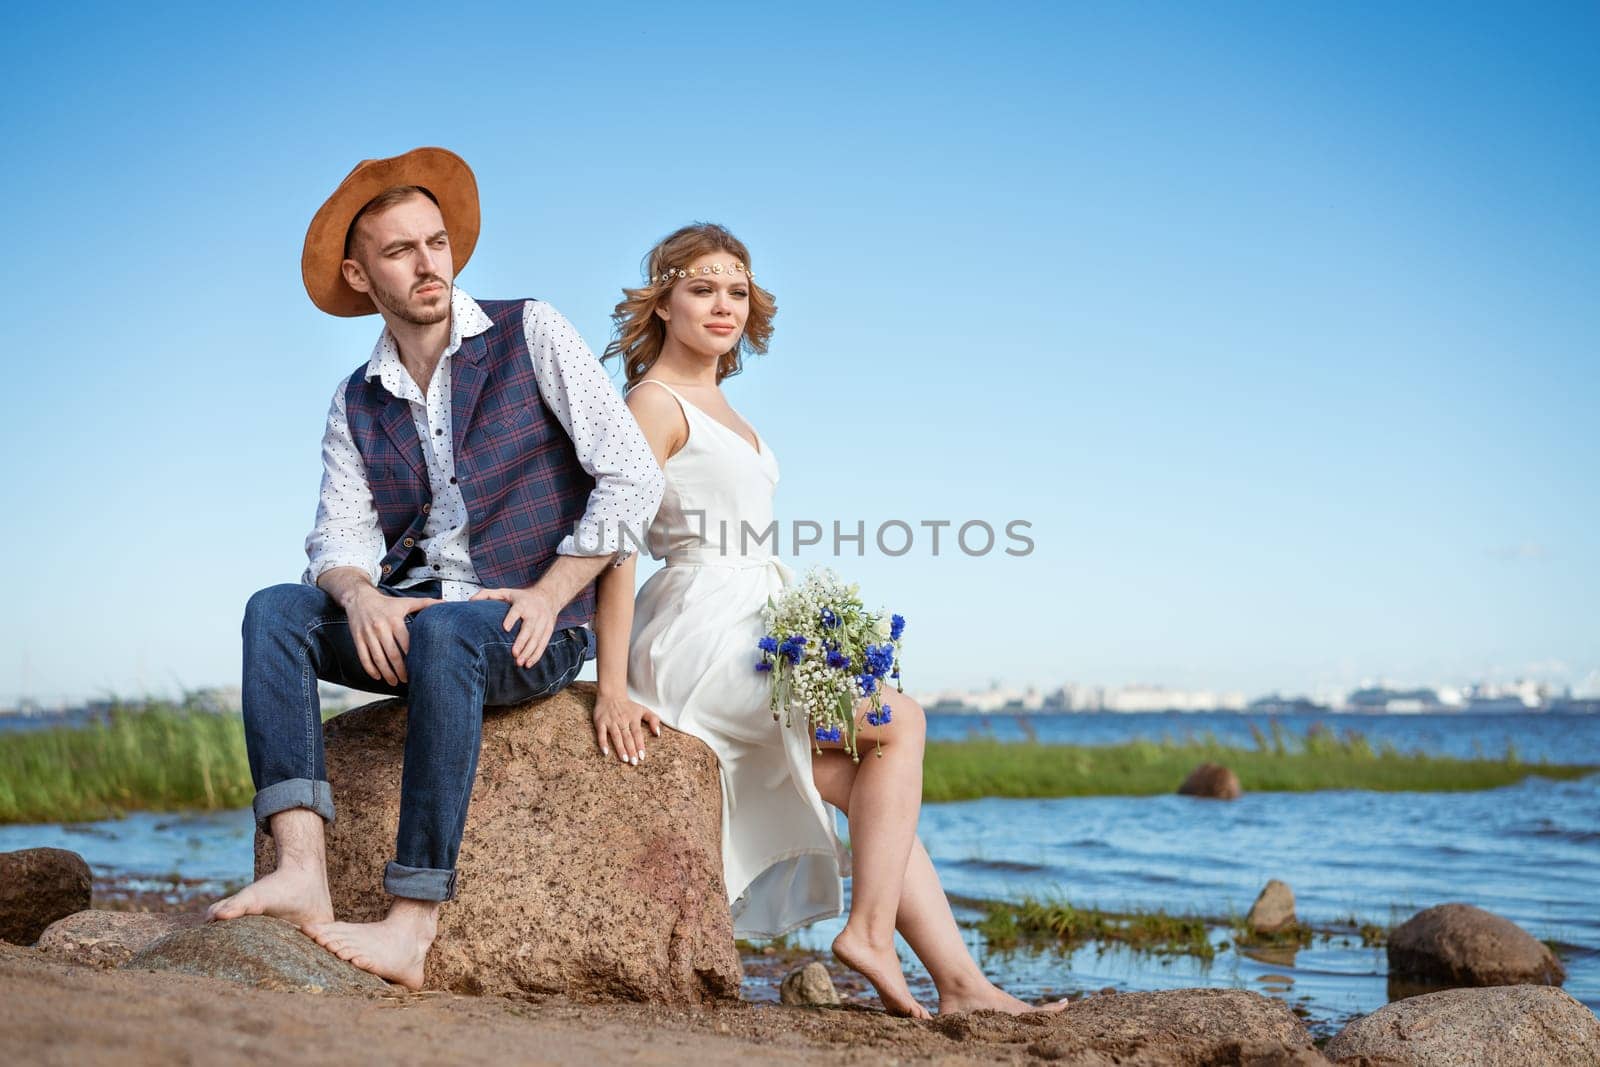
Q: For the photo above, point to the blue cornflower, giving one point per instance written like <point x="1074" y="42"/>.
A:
<point x="884" y="716"/>
<point x="829" y="619"/>
<point x="829" y="733"/>
<point x="838" y="660"/>
<point x="867" y="683"/>
<point x="763" y="666"/>
<point x="879" y="659"/>
<point x="791" y="648"/>
<point x="874" y="719"/>
<point x="897" y="626"/>
<point x="768" y="644"/>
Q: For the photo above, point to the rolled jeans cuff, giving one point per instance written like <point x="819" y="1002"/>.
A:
<point x="292" y="793"/>
<point x="419" y="883"/>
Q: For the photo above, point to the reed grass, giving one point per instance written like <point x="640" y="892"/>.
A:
<point x="165" y="757"/>
<point x="978" y="767"/>
<point x="151" y="758"/>
<point x="1060" y="924"/>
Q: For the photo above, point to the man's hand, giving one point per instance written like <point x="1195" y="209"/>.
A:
<point x="619" y="721"/>
<point x="537" y="615"/>
<point x="378" y="624"/>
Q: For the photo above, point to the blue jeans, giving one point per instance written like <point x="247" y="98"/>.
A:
<point x="459" y="659"/>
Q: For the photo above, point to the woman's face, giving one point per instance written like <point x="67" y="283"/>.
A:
<point x="706" y="313"/>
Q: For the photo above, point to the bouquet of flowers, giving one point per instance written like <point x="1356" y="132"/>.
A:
<point x="823" y="650"/>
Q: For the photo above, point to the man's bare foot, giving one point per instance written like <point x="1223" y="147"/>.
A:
<point x="994" y="999"/>
<point x="394" y="949"/>
<point x="881" y="967"/>
<point x="298" y="895"/>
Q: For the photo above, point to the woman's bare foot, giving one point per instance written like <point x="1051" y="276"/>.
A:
<point x="298" y="895"/>
<point x="994" y="999"/>
<point x="394" y="949"/>
<point x="881" y="967"/>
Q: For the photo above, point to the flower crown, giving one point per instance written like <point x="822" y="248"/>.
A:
<point x="672" y="274"/>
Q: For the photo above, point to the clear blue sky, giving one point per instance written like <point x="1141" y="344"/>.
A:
<point x="1278" y="322"/>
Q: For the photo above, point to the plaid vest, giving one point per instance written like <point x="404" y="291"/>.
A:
<point x="518" y="472"/>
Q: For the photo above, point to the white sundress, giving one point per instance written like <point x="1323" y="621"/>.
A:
<point x="692" y="660"/>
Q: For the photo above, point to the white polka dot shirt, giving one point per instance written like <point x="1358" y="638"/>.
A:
<point x="607" y="440"/>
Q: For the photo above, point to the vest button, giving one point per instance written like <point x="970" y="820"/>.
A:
<point x="410" y="542"/>
<point x="427" y="508"/>
<point x="387" y="568"/>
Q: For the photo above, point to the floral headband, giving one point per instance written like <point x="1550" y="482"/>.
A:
<point x="672" y="274"/>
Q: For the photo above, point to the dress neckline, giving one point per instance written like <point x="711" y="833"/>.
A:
<point x="756" y="448"/>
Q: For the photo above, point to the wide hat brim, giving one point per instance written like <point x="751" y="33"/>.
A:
<point x="438" y="170"/>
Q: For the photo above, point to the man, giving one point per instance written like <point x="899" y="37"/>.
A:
<point x="478" y="473"/>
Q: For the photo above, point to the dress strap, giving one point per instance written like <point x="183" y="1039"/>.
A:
<point x="685" y="407"/>
<point x="664" y="385"/>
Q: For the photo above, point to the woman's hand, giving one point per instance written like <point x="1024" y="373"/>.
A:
<point x="620" y="723"/>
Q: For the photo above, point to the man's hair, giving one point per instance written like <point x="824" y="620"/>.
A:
<point x="383" y="202"/>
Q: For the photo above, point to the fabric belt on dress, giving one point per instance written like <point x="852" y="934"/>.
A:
<point x="711" y="558"/>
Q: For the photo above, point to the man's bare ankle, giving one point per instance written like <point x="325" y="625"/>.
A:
<point x="419" y="916"/>
<point x="301" y="863"/>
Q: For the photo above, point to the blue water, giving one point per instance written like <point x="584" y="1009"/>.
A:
<point x="1553" y="737"/>
<point x="1530" y="852"/>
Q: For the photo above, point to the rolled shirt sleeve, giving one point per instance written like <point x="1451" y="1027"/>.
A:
<point x="628" y="482"/>
<point x="347" y="532"/>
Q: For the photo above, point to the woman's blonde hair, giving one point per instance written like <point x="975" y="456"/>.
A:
<point x="640" y="332"/>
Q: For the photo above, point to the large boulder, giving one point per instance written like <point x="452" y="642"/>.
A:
<point x="1212" y="781"/>
<point x="1519" y="1024"/>
<point x="37" y="887"/>
<point x="1273" y="911"/>
<point x="258" y="951"/>
<point x="1458" y="944"/>
<point x="577" y="874"/>
<point x="107" y="939"/>
<point x="1169" y="1028"/>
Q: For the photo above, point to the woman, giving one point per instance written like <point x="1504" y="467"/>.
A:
<point x="685" y="653"/>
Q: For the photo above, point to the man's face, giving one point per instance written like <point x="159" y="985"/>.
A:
<point x="401" y="258"/>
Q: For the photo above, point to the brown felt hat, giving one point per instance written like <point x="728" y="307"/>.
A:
<point x="438" y="170"/>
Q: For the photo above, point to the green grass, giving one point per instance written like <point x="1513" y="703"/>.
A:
<point x="153" y="758"/>
<point x="965" y="770"/>
<point x="1058" y="923"/>
<point x="162" y="757"/>
<point x="1246" y="936"/>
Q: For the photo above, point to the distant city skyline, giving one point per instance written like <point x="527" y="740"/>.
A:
<point x="1276" y="323"/>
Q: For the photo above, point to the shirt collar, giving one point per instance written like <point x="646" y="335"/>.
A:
<point x="467" y="319"/>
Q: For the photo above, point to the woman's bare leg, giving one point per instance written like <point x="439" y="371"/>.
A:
<point x="923" y="916"/>
<point x="885" y="796"/>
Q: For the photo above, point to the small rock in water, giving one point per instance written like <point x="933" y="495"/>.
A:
<point x="808" y="985"/>
<point x="107" y="939"/>
<point x="1458" y="944"/>
<point x="37" y="887"/>
<point x="1507" y="1024"/>
<point x="1273" y="910"/>
<point x="258" y="951"/>
<point x="1211" y="780"/>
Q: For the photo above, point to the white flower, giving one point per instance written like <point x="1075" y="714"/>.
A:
<point x="882" y="628"/>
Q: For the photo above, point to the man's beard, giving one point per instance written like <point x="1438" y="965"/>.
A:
<point x="398" y="305"/>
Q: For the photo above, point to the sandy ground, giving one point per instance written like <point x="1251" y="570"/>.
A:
<point x="58" y="1013"/>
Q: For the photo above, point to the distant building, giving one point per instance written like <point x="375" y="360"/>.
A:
<point x="1280" y="705"/>
<point x="1393" y="701"/>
